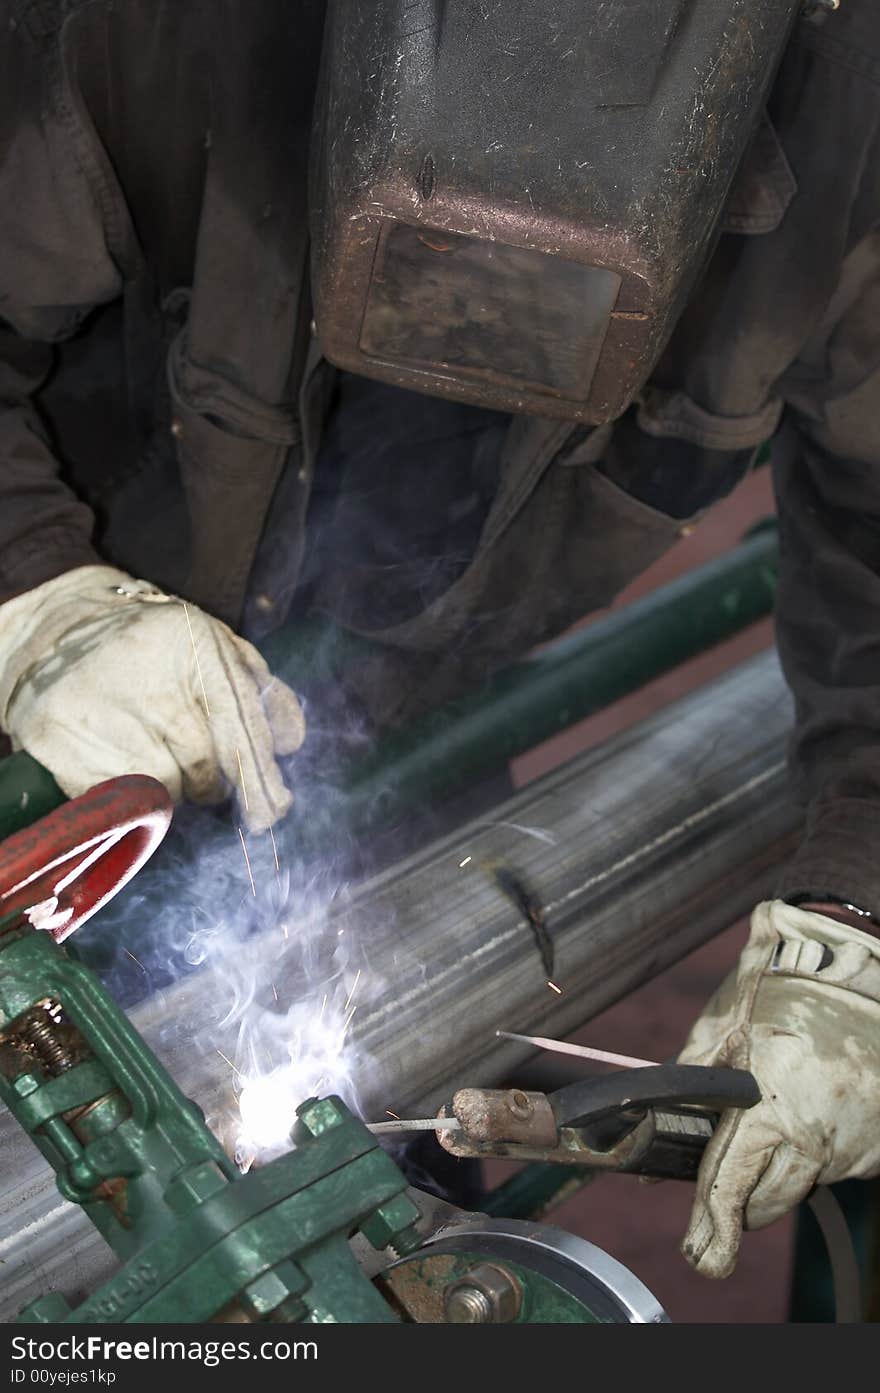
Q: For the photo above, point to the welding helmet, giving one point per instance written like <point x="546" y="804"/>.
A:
<point x="511" y="202"/>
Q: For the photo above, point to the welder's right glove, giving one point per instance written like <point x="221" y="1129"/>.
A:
<point x="802" y="1012"/>
<point x="102" y="674"/>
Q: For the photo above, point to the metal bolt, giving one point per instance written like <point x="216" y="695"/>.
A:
<point x="487" y="1295"/>
<point x="40" y="1032"/>
<point x="468" y="1306"/>
<point x="406" y="1242"/>
<point x="519" y="1104"/>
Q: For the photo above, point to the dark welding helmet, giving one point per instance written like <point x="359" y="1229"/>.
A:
<point x="511" y="199"/>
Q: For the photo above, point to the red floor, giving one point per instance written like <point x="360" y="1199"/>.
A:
<point x="641" y="1225"/>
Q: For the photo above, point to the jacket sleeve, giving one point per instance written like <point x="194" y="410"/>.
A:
<point x="44" y="528"/>
<point x="827" y="477"/>
<point x="58" y="218"/>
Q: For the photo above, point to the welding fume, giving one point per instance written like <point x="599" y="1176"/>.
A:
<point x="349" y="354"/>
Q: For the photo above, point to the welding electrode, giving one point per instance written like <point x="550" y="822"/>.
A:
<point x="626" y="1061"/>
<point x="419" y="1124"/>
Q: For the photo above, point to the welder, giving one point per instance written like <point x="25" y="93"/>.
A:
<point x="182" y="470"/>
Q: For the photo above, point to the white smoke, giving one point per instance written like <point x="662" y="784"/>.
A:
<point x="257" y="930"/>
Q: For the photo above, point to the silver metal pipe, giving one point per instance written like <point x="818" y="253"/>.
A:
<point x="640" y="850"/>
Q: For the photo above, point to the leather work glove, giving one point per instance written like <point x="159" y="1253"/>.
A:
<point x="802" y="1012"/>
<point x="101" y="675"/>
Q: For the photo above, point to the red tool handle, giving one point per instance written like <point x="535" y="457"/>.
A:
<point x="62" y="869"/>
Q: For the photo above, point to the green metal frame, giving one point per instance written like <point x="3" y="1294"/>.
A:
<point x="27" y="793"/>
<point x="193" y="1234"/>
<point x="535" y="1190"/>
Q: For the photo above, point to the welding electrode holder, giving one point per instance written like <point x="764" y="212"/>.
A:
<point x="605" y="1109"/>
<point x="654" y="1121"/>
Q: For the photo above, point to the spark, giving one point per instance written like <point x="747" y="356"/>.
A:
<point x="581" y="1051"/>
<point x="346" y="1023"/>
<point x="465" y="862"/>
<point x="192" y="639"/>
<point x="352" y="992"/>
<point x="395" y="1115"/>
<point x="275" y="852"/>
<point x="134" y="959"/>
<point x="227" y="1060"/>
<point x="322" y="1079"/>
<point x="284" y="930"/>
<point x="247" y="806"/>
<point x="553" y="987"/>
<point x="247" y="862"/>
<point x="323" y="1007"/>
<point x="274" y="991"/>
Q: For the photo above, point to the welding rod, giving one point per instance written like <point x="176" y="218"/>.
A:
<point x="420" y="1124"/>
<point x="582" y="1051"/>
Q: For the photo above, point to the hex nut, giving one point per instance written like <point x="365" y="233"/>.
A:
<point x="266" y="1293"/>
<point x="487" y="1294"/>
<point x="318" y="1115"/>
<point x="390" y="1221"/>
<point x="25" y="1084"/>
<point x="194" y="1186"/>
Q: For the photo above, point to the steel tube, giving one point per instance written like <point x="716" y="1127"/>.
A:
<point x="640" y="850"/>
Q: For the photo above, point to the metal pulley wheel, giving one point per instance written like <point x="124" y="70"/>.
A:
<point x="494" y="1271"/>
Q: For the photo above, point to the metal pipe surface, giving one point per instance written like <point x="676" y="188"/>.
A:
<point x="640" y="850"/>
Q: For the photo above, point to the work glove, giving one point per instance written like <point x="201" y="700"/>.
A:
<point x="802" y="1012"/>
<point x="102" y="674"/>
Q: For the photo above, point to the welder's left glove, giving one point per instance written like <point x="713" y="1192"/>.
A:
<point x="103" y="674"/>
<point x="802" y="1012"/>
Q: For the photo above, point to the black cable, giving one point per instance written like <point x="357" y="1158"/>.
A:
<point x="845" y="1274"/>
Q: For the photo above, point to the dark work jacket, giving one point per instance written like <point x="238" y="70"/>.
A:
<point x="163" y="405"/>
